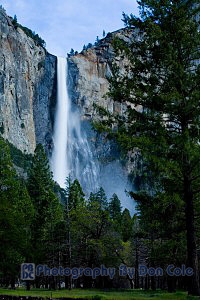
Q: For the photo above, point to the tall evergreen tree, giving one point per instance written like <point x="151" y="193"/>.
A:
<point x="16" y="212"/>
<point x="75" y="194"/>
<point x="46" y="204"/>
<point x="101" y="198"/>
<point x="115" y="211"/>
<point x="15" y="21"/>
<point x="126" y="225"/>
<point x="161" y="87"/>
<point x="72" y="52"/>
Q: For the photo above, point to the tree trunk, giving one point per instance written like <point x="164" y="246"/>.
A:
<point x="28" y="286"/>
<point x="131" y="283"/>
<point x="13" y="283"/>
<point x="146" y="282"/>
<point x="193" y="281"/>
<point x="171" y="284"/>
<point x="153" y="284"/>
<point x="136" y="267"/>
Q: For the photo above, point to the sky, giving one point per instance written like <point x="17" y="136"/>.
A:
<point x="66" y="24"/>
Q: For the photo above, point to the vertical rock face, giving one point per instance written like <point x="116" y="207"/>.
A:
<point x="27" y="88"/>
<point x="88" y="86"/>
<point x="88" y="76"/>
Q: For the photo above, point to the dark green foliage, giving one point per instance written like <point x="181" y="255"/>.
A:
<point x="40" y="173"/>
<point x="41" y="64"/>
<point x="19" y="158"/>
<point x="162" y="225"/>
<point x="37" y="39"/>
<point x="97" y="41"/>
<point x="161" y="84"/>
<point x="90" y="224"/>
<point x="89" y="46"/>
<point x="14" y="21"/>
<point x="126" y="225"/>
<point x="115" y="211"/>
<point x="48" y="211"/>
<point x="72" y="52"/>
<point x="75" y="195"/>
<point x="16" y="212"/>
<point x="99" y="198"/>
<point x="109" y="35"/>
<point x="36" y="227"/>
<point x="2" y="128"/>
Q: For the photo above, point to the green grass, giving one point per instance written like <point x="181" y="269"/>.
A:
<point x="99" y="294"/>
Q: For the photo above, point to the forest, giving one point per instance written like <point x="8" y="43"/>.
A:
<point x="44" y="224"/>
<point x="161" y="89"/>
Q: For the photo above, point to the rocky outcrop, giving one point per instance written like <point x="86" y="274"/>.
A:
<point x="88" y="85"/>
<point x="88" y="76"/>
<point x="27" y="88"/>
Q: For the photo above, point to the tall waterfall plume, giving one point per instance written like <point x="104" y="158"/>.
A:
<point x="60" y="139"/>
<point x="72" y="154"/>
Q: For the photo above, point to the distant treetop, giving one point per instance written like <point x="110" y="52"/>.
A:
<point x="37" y="39"/>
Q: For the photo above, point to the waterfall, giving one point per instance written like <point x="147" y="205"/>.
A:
<point x="72" y="154"/>
<point x="60" y="138"/>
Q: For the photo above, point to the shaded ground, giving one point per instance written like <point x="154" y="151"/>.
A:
<point x="96" y="294"/>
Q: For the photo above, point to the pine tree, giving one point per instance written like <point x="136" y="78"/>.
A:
<point x="115" y="211"/>
<point x="89" y="45"/>
<point x="97" y="41"/>
<point x="99" y="198"/>
<point x="46" y="204"/>
<point x="162" y="88"/>
<point x="16" y="212"/>
<point x="72" y="52"/>
<point x="14" y="21"/>
<point x="126" y="225"/>
<point x="102" y="199"/>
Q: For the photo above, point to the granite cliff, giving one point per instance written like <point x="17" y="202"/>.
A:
<point x="27" y="88"/>
<point x="88" y="84"/>
<point x="28" y="84"/>
<point x="88" y="76"/>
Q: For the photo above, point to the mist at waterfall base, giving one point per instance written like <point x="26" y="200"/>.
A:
<point x="74" y="152"/>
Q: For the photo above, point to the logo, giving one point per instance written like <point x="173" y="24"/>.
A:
<point x="27" y="271"/>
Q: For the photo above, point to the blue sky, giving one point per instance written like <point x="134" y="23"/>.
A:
<point x="66" y="24"/>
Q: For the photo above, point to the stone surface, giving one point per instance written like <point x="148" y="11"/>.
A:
<point x="88" y="85"/>
<point x="27" y="88"/>
<point x="88" y="76"/>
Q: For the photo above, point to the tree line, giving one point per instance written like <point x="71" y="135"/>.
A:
<point x="160" y="86"/>
<point x="37" y="39"/>
<point x="44" y="224"/>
